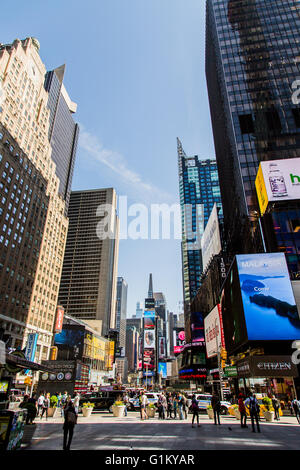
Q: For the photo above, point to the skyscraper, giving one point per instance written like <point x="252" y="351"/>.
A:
<point x="89" y="276"/>
<point x="24" y="113"/>
<point x="121" y="311"/>
<point x="63" y="131"/>
<point x="252" y="62"/>
<point x="199" y="190"/>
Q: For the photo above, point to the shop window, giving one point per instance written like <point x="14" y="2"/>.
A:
<point x="273" y="120"/>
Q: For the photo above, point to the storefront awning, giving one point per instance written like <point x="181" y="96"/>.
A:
<point x="18" y="361"/>
<point x="267" y="366"/>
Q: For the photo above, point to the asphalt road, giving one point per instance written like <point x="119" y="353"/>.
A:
<point x="104" y="432"/>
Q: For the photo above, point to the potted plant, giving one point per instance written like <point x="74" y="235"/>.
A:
<point x="118" y="408"/>
<point x="87" y="409"/>
<point x="52" y="410"/>
<point x="210" y="412"/>
<point x="151" y="410"/>
<point x="268" y="411"/>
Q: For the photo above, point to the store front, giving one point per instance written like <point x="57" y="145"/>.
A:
<point x="268" y="375"/>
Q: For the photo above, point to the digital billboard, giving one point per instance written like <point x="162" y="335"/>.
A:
<point x="162" y="369"/>
<point x="269" y="304"/>
<point x="197" y="327"/>
<point x="179" y="340"/>
<point x="70" y="342"/>
<point x="149" y="359"/>
<point x="277" y="180"/>
<point x="149" y="339"/>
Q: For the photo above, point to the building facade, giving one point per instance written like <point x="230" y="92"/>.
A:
<point x="24" y="113"/>
<point x="63" y="131"/>
<point x="252" y="64"/>
<point x="23" y="210"/>
<point x="199" y="190"/>
<point x="121" y="311"/>
<point x="89" y="276"/>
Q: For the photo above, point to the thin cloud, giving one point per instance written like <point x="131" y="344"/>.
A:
<point x="118" y="164"/>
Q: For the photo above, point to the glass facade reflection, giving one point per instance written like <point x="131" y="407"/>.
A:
<point x="252" y="61"/>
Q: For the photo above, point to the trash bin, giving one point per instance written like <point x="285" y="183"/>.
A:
<point x="12" y="428"/>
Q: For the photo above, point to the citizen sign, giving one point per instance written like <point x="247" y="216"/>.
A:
<point x="274" y="365"/>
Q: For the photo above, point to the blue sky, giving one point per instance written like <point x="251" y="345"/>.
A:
<point x="136" y="70"/>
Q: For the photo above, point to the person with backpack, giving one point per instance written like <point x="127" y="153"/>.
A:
<point x="252" y="404"/>
<point x="242" y="410"/>
<point x="195" y="409"/>
<point x="69" y="424"/>
<point x="46" y="406"/>
<point x="216" y="406"/>
<point x="276" y="407"/>
<point x="296" y="409"/>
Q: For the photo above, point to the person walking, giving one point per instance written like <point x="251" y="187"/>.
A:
<point x="180" y="406"/>
<point x="195" y="409"/>
<point x="40" y="403"/>
<point x="252" y="404"/>
<point x="76" y="402"/>
<point x="70" y="416"/>
<point x="242" y="410"/>
<point x="160" y="407"/>
<point x="169" y="406"/>
<point x="175" y="406"/>
<point x="144" y="403"/>
<point x="216" y="406"/>
<point x="126" y="403"/>
<point x="276" y="407"/>
<point x="296" y="409"/>
<point x="63" y="403"/>
<point x="45" y="405"/>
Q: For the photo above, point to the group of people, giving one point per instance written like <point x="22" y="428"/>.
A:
<point x="37" y="407"/>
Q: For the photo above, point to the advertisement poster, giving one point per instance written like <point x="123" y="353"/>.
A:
<point x="179" y="340"/>
<point x="149" y="359"/>
<point x="31" y="346"/>
<point x="149" y="339"/>
<point x="277" y="180"/>
<point x="162" y="369"/>
<point x="211" y="240"/>
<point x="214" y="338"/>
<point x="162" y="347"/>
<point x="268" y="298"/>
<point x="59" y="319"/>
<point x="149" y="323"/>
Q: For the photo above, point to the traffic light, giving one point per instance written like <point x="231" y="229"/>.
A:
<point x="223" y="356"/>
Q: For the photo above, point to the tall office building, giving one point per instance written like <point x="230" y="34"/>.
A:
<point x="25" y="115"/>
<point x="138" y="311"/>
<point x="199" y="190"/>
<point x="121" y="311"/>
<point x="89" y="275"/>
<point x="252" y="61"/>
<point x="63" y="131"/>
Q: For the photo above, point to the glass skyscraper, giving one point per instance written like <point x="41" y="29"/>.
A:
<point x="63" y="131"/>
<point x="252" y="62"/>
<point x="199" y="190"/>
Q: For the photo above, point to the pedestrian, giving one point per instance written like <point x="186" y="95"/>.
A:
<point x="63" y="403"/>
<point x="45" y="406"/>
<point x="175" y="405"/>
<point x="276" y="407"/>
<point x="296" y="409"/>
<point x="216" y="406"/>
<point x="164" y="406"/>
<point x="252" y="404"/>
<point x="180" y="406"/>
<point x="69" y="423"/>
<point x="40" y="403"/>
<point x="160" y="406"/>
<point x="144" y="403"/>
<point x="242" y="410"/>
<point x="195" y="409"/>
<point x="76" y="402"/>
<point x="126" y="403"/>
<point x="169" y="406"/>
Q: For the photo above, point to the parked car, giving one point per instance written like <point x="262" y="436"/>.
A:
<point x="103" y="400"/>
<point x="204" y="400"/>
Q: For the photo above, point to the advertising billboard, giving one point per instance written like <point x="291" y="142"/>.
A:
<point x="31" y="346"/>
<point x="277" y="180"/>
<point x="269" y="304"/>
<point x="214" y="335"/>
<point x="162" y="369"/>
<point x="149" y="339"/>
<point x="179" y="340"/>
<point x="59" y="319"/>
<point x="161" y="347"/>
<point x="149" y="359"/>
<point x="258" y="301"/>
<point x="197" y="327"/>
<point x="211" y="240"/>
<point x="70" y="342"/>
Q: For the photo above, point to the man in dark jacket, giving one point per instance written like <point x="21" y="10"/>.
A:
<point x="70" y="421"/>
<point x="216" y="406"/>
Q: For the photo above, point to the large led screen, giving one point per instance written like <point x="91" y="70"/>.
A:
<point x="269" y="304"/>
